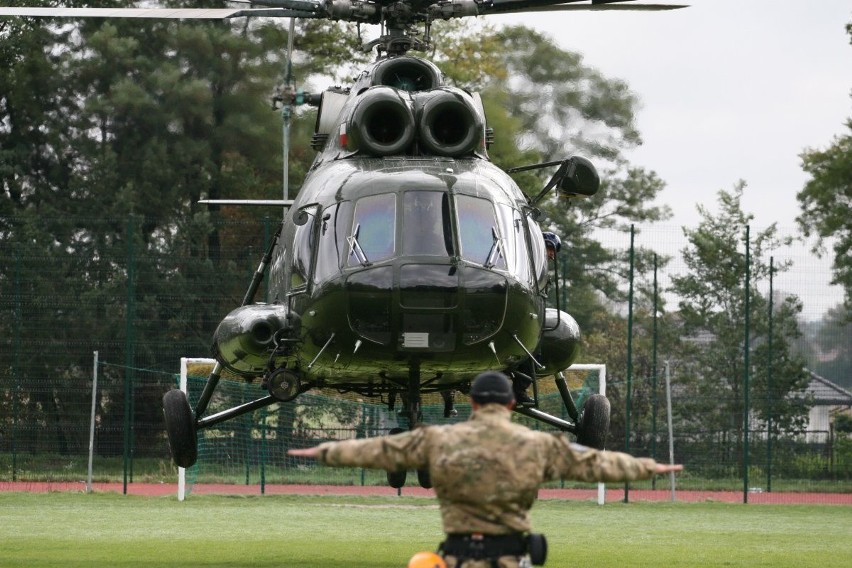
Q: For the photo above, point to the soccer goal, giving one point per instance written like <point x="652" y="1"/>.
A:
<point x="250" y="450"/>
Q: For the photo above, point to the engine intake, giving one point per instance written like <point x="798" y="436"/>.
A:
<point x="450" y="124"/>
<point x="381" y="124"/>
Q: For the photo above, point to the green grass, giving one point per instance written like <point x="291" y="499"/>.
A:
<point x="111" y="530"/>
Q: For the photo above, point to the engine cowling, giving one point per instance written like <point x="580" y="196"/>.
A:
<point x="246" y="338"/>
<point x="560" y="342"/>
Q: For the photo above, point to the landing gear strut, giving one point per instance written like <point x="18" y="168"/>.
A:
<point x="411" y="401"/>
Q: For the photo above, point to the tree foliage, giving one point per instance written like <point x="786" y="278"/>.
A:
<point x="712" y="311"/>
<point x="826" y="201"/>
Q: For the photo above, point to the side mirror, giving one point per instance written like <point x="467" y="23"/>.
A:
<point x="579" y="178"/>
<point x="301" y="217"/>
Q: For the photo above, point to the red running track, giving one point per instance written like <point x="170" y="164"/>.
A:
<point x="163" y="489"/>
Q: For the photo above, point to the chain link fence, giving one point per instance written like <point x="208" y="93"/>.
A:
<point x="144" y="301"/>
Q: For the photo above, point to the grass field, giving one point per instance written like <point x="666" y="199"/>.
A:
<point x="111" y="530"/>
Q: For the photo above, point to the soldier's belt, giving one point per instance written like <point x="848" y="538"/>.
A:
<point x="482" y="546"/>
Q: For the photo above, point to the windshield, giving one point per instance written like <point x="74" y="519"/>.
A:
<point x="373" y="233"/>
<point x="426" y="226"/>
<point x="479" y="237"/>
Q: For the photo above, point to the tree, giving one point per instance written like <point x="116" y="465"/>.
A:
<point x="713" y="315"/>
<point x="826" y="201"/>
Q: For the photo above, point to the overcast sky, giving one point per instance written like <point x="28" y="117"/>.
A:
<point x="729" y="90"/>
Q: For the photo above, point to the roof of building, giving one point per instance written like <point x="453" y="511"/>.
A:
<point x="827" y="393"/>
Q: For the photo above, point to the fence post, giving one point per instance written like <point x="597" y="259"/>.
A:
<point x="129" y="346"/>
<point x="16" y="361"/>
<point x="671" y="428"/>
<point x="769" y="392"/>
<point x="746" y="349"/>
<point x="629" y="360"/>
<point x="654" y="400"/>
<point x="92" y="421"/>
<point x="263" y="430"/>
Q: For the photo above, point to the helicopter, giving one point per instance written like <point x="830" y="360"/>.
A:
<point x="408" y="262"/>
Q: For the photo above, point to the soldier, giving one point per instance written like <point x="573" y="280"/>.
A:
<point x="486" y="473"/>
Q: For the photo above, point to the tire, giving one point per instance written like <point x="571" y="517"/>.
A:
<point x="594" y="422"/>
<point x="424" y="478"/>
<point x="180" y="427"/>
<point x="396" y="479"/>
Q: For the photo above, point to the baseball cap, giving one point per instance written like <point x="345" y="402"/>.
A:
<point x="491" y="386"/>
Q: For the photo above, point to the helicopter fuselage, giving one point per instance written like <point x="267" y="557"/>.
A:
<point x="410" y="262"/>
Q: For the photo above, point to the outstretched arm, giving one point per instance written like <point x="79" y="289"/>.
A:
<point x="310" y="453"/>
<point x="662" y="468"/>
<point x="391" y="453"/>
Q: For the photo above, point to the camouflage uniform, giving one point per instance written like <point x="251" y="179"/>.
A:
<point x="486" y="471"/>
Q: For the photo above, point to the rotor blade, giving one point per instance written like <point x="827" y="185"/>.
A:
<point x="159" y="13"/>
<point x="249" y="202"/>
<point x="515" y="6"/>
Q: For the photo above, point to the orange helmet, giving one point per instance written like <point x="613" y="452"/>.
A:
<point x="426" y="560"/>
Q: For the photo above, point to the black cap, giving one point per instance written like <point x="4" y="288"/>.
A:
<point x="491" y="386"/>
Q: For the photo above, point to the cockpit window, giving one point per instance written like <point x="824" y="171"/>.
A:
<point x="479" y="235"/>
<point x="373" y="233"/>
<point x="517" y="256"/>
<point x="303" y="248"/>
<point x="426" y="226"/>
<point x="331" y="243"/>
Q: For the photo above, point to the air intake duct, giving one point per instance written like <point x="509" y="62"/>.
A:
<point x="381" y="124"/>
<point x="450" y="124"/>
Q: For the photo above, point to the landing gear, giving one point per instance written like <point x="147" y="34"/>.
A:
<point x="593" y="426"/>
<point x="396" y="479"/>
<point x="180" y="427"/>
<point x="412" y="411"/>
<point x="424" y="478"/>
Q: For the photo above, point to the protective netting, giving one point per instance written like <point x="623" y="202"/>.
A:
<point x="251" y="449"/>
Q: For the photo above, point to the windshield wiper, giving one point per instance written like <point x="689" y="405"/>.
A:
<point x="355" y="248"/>
<point x="496" y="250"/>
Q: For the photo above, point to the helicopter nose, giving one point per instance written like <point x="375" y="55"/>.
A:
<point x="427" y="307"/>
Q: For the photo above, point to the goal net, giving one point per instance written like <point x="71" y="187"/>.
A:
<point x="251" y="450"/>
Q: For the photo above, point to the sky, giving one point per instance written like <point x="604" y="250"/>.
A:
<point x="729" y="90"/>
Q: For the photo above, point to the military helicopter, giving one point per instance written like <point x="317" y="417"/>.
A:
<point x="408" y="262"/>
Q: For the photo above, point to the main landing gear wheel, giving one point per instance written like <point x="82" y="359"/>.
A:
<point x="180" y="426"/>
<point x="594" y="422"/>
<point x="424" y="478"/>
<point x="396" y="479"/>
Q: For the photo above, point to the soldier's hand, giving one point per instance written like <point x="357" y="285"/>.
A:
<point x="666" y="468"/>
<point x="311" y="453"/>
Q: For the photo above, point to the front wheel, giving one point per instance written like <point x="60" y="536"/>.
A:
<point x="594" y="422"/>
<point x="180" y="427"/>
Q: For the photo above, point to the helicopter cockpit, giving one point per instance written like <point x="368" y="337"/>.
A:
<point x="431" y="225"/>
